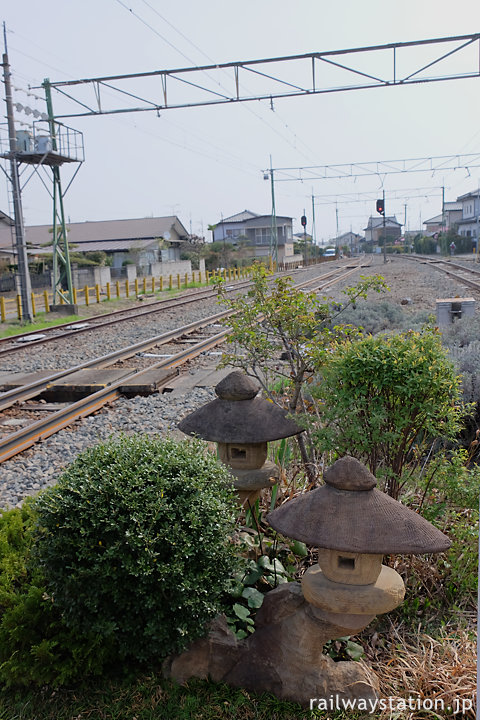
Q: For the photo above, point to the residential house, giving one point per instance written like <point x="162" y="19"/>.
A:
<point x="469" y="223"/>
<point x="452" y="214"/>
<point x="143" y="242"/>
<point x="375" y="230"/>
<point x="7" y="250"/>
<point x="349" y="239"/>
<point x="256" y="231"/>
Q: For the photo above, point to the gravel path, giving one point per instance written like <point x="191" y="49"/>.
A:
<point x="39" y="466"/>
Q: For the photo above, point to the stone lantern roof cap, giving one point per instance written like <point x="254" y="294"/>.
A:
<point x="349" y="514"/>
<point x="238" y="416"/>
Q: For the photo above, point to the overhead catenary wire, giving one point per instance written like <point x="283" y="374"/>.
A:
<point x="205" y="55"/>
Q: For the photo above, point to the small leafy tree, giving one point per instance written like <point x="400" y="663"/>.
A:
<point x="275" y="318"/>
<point x="382" y="399"/>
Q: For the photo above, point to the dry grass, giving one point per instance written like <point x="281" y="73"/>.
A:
<point x="420" y="666"/>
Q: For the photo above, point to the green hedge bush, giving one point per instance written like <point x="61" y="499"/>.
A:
<point x="134" y="543"/>
<point x="383" y="398"/>
<point x="35" y="645"/>
<point x="126" y="559"/>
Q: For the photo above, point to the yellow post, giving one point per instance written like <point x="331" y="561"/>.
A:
<point x="153" y="284"/>
<point x="161" y="283"/>
<point x="34" y="310"/>
<point x="186" y="279"/>
<point x="3" y="314"/>
<point x="19" y="307"/>
<point x="62" y="301"/>
<point x="75" y="295"/>
<point x="45" y="300"/>
<point x="136" y="287"/>
<point x="207" y="277"/>
<point x="178" y="281"/>
<point x="97" y="292"/>
<point x="224" y="274"/>
<point x="109" y="294"/>
<point x="127" y="289"/>
<point x="117" y="288"/>
<point x="144" y="285"/>
<point x="170" y="282"/>
<point x="87" y="299"/>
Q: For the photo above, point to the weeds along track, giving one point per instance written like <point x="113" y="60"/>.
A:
<point x="139" y="368"/>
<point x="461" y="273"/>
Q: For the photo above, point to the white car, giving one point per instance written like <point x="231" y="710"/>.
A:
<point x="330" y="252"/>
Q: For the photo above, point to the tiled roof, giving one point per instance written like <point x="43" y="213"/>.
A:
<point x="85" y="233"/>
<point x="6" y="219"/>
<point x="374" y="222"/>
<point x="473" y="193"/>
<point x="240" y="217"/>
<point x="435" y="220"/>
<point x="452" y="206"/>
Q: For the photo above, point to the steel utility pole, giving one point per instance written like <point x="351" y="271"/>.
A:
<point x="304" y="223"/>
<point x="314" y="233"/>
<point x="21" y="248"/>
<point x="384" y="232"/>
<point x="274" y="233"/>
<point x="478" y="219"/>
<point x="62" y="270"/>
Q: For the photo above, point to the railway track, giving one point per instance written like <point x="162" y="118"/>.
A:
<point x="163" y="358"/>
<point x="98" y="323"/>
<point x="459" y="273"/>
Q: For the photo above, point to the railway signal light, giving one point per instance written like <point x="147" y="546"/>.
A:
<point x="303" y="220"/>
<point x="381" y="206"/>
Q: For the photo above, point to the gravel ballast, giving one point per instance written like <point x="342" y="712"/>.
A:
<point x="40" y="466"/>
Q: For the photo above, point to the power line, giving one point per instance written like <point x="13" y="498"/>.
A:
<point x="219" y="84"/>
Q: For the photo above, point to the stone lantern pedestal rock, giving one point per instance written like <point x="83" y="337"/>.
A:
<point x="353" y="525"/>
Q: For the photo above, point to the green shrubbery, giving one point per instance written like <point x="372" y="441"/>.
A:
<point x="125" y="559"/>
<point x="384" y="399"/>
<point x="35" y="645"/>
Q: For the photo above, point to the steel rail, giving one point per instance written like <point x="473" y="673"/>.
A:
<point x="26" y="392"/>
<point x="166" y="304"/>
<point x="26" y="437"/>
<point x="435" y="264"/>
<point x="41" y="429"/>
<point x="152" y="308"/>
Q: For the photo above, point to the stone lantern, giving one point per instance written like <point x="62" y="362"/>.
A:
<point x="353" y="525"/>
<point x="242" y="424"/>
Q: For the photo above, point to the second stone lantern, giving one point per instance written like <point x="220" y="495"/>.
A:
<point x="242" y="424"/>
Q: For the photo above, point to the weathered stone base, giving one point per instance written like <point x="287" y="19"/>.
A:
<point x="284" y="655"/>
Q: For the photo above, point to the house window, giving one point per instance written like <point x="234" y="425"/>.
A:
<point x="262" y="236"/>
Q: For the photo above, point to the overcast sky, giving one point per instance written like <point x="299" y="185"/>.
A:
<point x="205" y="163"/>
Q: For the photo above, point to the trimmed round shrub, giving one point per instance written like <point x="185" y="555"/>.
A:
<point x="134" y="543"/>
